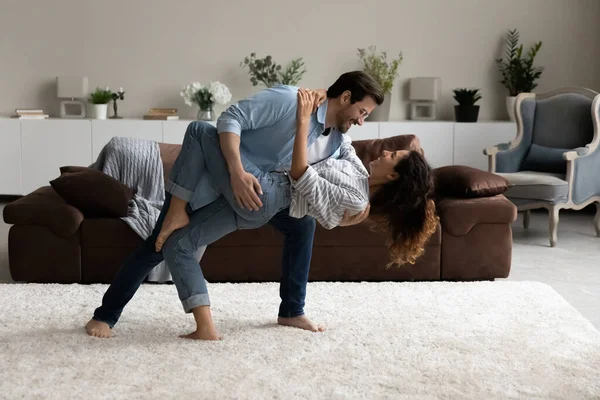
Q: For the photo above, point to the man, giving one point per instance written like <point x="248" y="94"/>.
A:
<point x="256" y="134"/>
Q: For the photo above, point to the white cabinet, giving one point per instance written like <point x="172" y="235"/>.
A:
<point x="48" y="145"/>
<point x="31" y="151"/>
<point x="437" y="138"/>
<point x="10" y="157"/>
<point x="368" y="130"/>
<point x="105" y="129"/>
<point x="471" y="138"/>
<point x="174" y="131"/>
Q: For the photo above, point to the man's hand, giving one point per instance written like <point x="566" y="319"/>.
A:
<point x="357" y="219"/>
<point x="246" y="190"/>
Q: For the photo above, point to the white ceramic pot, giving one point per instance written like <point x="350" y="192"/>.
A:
<point x="510" y="107"/>
<point x="98" y="111"/>
<point x="382" y="112"/>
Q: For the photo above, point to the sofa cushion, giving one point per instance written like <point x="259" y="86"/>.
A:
<point x="93" y="192"/>
<point x="108" y="233"/>
<point x="369" y="150"/>
<point x="168" y="155"/>
<point x="467" y="182"/>
<point x="44" y="207"/>
<point x="545" y="159"/>
<point x="459" y="216"/>
<point x="537" y="186"/>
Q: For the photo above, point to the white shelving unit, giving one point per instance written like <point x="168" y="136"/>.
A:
<point x="32" y="151"/>
<point x="10" y="157"/>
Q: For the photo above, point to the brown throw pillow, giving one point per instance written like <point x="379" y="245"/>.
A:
<point x="467" y="182"/>
<point x="94" y="193"/>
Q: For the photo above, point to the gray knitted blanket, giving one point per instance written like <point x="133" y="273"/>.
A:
<point x="137" y="164"/>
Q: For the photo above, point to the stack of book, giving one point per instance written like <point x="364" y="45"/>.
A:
<point x="28" y="113"/>
<point x="162" y="113"/>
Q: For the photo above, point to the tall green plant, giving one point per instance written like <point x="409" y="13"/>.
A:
<point x="269" y="73"/>
<point x="518" y="73"/>
<point x="377" y="65"/>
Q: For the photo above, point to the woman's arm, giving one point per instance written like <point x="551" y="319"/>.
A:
<point x="300" y="154"/>
<point x="329" y="200"/>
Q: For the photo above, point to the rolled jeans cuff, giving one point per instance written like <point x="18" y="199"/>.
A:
<point x="194" y="301"/>
<point x="178" y="191"/>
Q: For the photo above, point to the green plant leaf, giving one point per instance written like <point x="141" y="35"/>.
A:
<point x="267" y="72"/>
<point x="518" y="73"/>
<point x="466" y="97"/>
<point x="379" y="67"/>
<point x="100" y="96"/>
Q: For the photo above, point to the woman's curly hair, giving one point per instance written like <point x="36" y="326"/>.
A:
<point x="403" y="208"/>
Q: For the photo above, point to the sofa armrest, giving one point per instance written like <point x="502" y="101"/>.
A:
<point x="491" y="153"/>
<point x="582" y="168"/>
<point x="503" y="157"/>
<point x="369" y="149"/>
<point x="44" y="207"/>
<point x="575" y="153"/>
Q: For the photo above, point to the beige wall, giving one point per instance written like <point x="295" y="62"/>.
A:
<point x="161" y="45"/>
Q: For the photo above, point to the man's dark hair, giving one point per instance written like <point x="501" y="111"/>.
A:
<point x="360" y="84"/>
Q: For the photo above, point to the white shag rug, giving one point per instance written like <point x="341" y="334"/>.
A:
<point x="438" y="340"/>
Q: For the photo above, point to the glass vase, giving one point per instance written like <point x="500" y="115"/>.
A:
<point x="207" y="114"/>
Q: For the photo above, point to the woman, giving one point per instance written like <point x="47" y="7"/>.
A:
<point x="397" y="190"/>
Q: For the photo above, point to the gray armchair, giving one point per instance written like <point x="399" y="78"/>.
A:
<point x="554" y="161"/>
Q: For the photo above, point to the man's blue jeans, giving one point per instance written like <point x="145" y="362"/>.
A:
<point x="207" y="225"/>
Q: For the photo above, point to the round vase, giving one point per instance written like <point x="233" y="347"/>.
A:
<point x="510" y="107"/>
<point x="206" y="115"/>
<point x="98" y="111"/>
<point x="381" y="113"/>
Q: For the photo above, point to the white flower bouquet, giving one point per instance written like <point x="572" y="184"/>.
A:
<point x="206" y="96"/>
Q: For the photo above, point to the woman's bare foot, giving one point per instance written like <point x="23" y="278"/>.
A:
<point x="203" y="334"/>
<point x="176" y="218"/>
<point x="205" y="327"/>
<point x="98" y="329"/>
<point x="301" y="322"/>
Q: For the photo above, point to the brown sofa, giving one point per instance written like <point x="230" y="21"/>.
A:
<point x="52" y="241"/>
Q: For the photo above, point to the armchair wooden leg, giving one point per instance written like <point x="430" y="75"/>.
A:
<point x="526" y="217"/>
<point x="553" y="216"/>
<point x="597" y="219"/>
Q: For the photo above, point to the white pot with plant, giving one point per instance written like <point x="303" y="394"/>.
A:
<point x="385" y="73"/>
<point x="98" y="103"/>
<point x="267" y="72"/>
<point x="518" y="73"/>
<point x="205" y="97"/>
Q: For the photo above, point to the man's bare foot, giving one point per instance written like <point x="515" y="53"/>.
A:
<point x="98" y="329"/>
<point x="175" y="219"/>
<point x="301" y="322"/>
<point x="203" y="334"/>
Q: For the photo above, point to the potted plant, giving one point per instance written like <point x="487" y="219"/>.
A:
<point x="268" y="73"/>
<point x="99" y="103"/>
<point x="205" y="97"/>
<point x="466" y="110"/>
<point x="518" y="73"/>
<point x="385" y="72"/>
